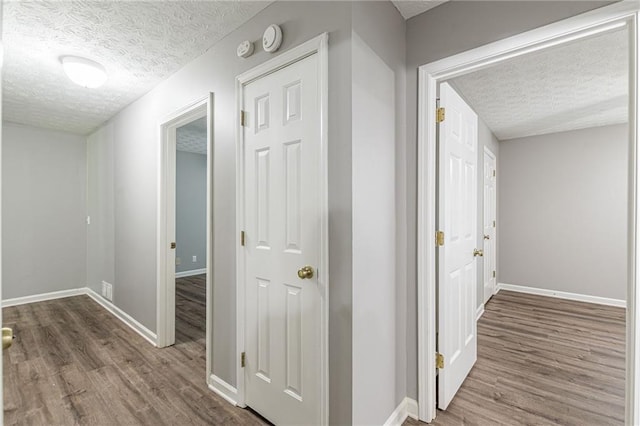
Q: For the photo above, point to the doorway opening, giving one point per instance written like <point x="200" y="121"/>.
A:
<point x="431" y="75"/>
<point x="185" y="225"/>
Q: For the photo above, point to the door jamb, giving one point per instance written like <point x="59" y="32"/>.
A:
<point x="429" y="75"/>
<point x="490" y="153"/>
<point x="166" y="221"/>
<point x="319" y="46"/>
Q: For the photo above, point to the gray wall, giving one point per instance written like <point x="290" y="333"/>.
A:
<point x="379" y="84"/>
<point x="191" y="210"/>
<point x="563" y="211"/>
<point x="100" y="202"/>
<point x="451" y="28"/>
<point x="43" y="211"/>
<point x="486" y="138"/>
<point x="132" y="138"/>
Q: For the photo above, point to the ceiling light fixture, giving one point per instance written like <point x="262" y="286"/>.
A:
<point x="84" y="72"/>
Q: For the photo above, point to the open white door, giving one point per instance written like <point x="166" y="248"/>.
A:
<point x="457" y="272"/>
<point x="282" y="217"/>
<point x="489" y="225"/>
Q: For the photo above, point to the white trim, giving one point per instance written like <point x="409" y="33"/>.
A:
<point x="223" y="389"/>
<point x="42" y="297"/>
<point x="590" y="23"/>
<point x="479" y="312"/>
<point x="407" y="408"/>
<point x="319" y="45"/>
<point x="563" y="295"/>
<point x="191" y="273"/>
<point x="131" y="322"/>
<point x="166" y="216"/>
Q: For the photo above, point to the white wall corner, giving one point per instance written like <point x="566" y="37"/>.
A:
<point x="223" y="389"/>
<point x="407" y="408"/>
<point x="131" y="322"/>
<point x="562" y="295"/>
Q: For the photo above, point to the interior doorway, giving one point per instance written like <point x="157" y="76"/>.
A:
<point x="191" y="232"/>
<point x="431" y="75"/>
<point x="185" y="224"/>
<point x="282" y="276"/>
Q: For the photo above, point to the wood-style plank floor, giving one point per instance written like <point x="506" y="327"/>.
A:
<point x="543" y="361"/>
<point x="74" y="363"/>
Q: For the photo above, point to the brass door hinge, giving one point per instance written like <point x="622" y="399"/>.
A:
<point x="173" y="245"/>
<point x="439" y="361"/>
<point x="494" y="223"/>
<point x="243" y="359"/>
<point x="439" y="238"/>
<point x="440" y="114"/>
<point x="242" y="238"/>
<point x="243" y="118"/>
<point x="494" y="274"/>
<point x="494" y="173"/>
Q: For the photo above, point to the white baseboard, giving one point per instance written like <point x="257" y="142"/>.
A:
<point x="224" y="389"/>
<point x="42" y="297"/>
<point x="407" y="408"/>
<point x="479" y="311"/>
<point x="563" y="295"/>
<point x="150" y="336"/>
<point x="191" y="273"/>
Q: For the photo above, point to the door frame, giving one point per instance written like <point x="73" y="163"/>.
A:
<point x="319" y="46"/>
<point x="166" y="285"/>
<point x="487" y="151"/>
<point x="429" y="75"/>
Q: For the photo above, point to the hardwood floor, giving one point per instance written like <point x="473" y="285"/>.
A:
<point x="191" y="314"/>
<point x="543" y="361"/>
<point x="74" y="363"/>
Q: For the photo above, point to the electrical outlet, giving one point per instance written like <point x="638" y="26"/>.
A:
<point x="107" y="290"/>
<point x="178" y="261"/>
<point x="194" y="259"/>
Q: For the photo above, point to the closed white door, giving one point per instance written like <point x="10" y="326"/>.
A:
<point x="282" y="223"/>
<point x="457" y="273"/>
<point x="489" y="225"/>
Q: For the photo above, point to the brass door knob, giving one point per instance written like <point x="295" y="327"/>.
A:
<point x="305" y="272"/>
<point x="7" y="337"/>
<point x="478" y="252"/>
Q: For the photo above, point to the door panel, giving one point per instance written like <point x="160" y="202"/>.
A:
<point x="282" y="217"/>
<point x="489" y="228"/>
<point x="457" y="274"/>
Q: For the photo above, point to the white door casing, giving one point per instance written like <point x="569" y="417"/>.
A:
<point x="282" y="216"/>
<point x="489" y="224"/>
<point x="166" y="230"/>
<point x="457" y="270"/>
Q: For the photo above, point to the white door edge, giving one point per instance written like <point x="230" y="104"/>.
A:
<point x="490" y="153"/>
<point x="319" y="45"/>
<point x="589" y="23"/>
<point x="165" y="317"/>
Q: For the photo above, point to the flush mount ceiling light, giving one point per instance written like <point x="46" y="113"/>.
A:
<point x="84" y="72"/>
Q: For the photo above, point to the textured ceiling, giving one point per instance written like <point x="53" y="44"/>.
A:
<point x="192" y="137"/>
<point x="411" y="8"/>
<point x="579" y="85"/>
<point x="139" y="43"/>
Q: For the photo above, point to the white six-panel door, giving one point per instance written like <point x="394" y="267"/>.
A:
<point x="282" y="224"/>
<point x="489" y="225"/>
<point x="457" y="272"/>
